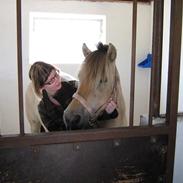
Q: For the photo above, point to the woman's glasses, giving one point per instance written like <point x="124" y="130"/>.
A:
<point x="53" y="79"/>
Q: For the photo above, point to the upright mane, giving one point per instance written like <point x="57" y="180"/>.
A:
<point x="94" y="67"/>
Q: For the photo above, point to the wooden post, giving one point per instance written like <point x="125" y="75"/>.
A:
<point x="133" y="61"/>
<point x="19" y="63"/>
<point x="154" y="104"/>
<point x="173" y="82"/>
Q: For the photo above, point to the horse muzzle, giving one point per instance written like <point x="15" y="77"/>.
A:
<point x="75" y="120"/>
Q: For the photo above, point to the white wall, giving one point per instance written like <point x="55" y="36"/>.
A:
<point x="119" y="16"/>
<point x="144" y="46"/>
<point x="8" y="70"/>
<point x="165" y="56"/>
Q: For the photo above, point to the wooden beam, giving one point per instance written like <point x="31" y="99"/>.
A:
<point x="19" y="63"/>
<point x="14" y="141"/>
<point x="133" y="62"/>
<point x="143" y="1"/>
<point x="173" y="81"/>
<point x="155" y="88"/>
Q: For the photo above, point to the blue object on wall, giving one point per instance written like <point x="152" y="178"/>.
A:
<point x="147" y="63"/>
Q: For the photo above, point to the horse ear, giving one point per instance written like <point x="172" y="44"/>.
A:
<point x="111" y="52"/>
<point x="86" y="50"/>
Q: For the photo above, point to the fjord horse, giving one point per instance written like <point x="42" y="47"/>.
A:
<point x="98" y="82"/>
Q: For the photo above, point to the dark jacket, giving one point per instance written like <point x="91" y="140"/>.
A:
<point x="52" y="115"/>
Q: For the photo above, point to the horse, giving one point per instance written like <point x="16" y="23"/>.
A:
<point x="31" y="109"/>
<point x="98" y="82"/>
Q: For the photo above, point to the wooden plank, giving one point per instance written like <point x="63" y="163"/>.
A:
<point x="19" y="63"/>
<point x="133" y="63"/>
<point x="173" y="81"/>
<point x="108" y="161"/>
<point x="142" y="1"/>
<point x="155" y="88"/>
<point x="80" y="136"/>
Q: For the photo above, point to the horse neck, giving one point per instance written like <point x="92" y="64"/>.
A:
<point x="120" y="101"/>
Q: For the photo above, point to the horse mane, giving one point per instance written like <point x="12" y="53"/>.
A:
<point x="98" y="71"/>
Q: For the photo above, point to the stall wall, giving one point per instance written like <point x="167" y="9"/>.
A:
<point x="165" y="60"/>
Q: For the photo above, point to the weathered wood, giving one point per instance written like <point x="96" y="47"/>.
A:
<point x="173" y="81"/>
<point x="143" y="1"/>
<point x="80" y="136"/>
<point x="19" y="63"/>
<point x="111" y="161"/>
<point x="154" y="104"/>
<point x="133" y="63"/>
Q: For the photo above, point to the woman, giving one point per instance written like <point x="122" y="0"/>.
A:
<point x="56" y="95"/>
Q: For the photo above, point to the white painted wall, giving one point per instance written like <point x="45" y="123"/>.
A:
<point x="8" y="71"/>
<point x="165" y="60"/>
<point x="119" y="16"/>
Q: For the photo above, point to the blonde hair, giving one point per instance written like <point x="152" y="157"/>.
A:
<point x="39" y="73"/>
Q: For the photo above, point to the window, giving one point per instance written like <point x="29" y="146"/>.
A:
<point x="57" y="38"/>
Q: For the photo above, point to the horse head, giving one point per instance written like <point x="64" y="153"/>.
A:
<point x="98" y="81"/>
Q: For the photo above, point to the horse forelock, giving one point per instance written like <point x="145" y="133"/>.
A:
<point x="92" y="71"/>
<point x="95" y="69"/>
<point x="95" y="65"/>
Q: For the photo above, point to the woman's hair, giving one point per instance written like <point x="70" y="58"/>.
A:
<point x="39" y="73"/>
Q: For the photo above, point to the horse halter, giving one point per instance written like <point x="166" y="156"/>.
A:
<point x="94" y="114"/>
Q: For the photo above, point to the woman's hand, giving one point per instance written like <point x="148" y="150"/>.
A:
<point x="111" y="106"/>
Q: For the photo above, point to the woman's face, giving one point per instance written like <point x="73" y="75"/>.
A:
<point x="53" y="83"/>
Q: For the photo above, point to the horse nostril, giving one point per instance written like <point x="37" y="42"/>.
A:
<point x="74" y="123"/>
<point x="76" y="119"/>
